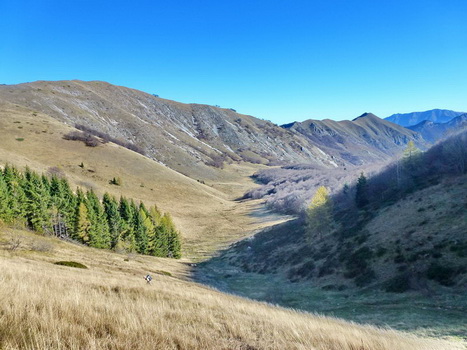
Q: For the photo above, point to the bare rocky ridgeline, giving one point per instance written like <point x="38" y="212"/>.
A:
<point x="364" y="140"/>
<point x="197" y="139"/>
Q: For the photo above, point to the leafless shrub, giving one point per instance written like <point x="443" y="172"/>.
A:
<point x="88" y="139"/>
<point x="107" y="138"/>
<point x="14" y="242"/>
<point x="217" y="161"/>
<point x="289" y="188"/>
<point x="251" y="159"/>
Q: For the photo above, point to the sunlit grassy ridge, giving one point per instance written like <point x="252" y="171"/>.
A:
<point x="109" y="306"/>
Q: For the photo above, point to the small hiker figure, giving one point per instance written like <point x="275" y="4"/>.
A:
<point x="148" y="279"/>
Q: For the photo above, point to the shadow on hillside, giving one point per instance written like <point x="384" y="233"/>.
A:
<point x="232" y="271"/>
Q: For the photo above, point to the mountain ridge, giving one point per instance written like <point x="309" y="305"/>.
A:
<point x="197" y="140"/>
<point x="364" y="139"/>
<point x="413" y="118"/>
<point x="432" y="131"/>
<point x="184" y="136"/>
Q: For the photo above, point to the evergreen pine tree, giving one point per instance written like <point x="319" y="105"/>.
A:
<point x="361" y="195"/>
<point x="141" y="231"/>
<point x="126" y="213"/>
<point x="160" y="242"/>
<point x="6" y="213"/>
<point x="68" y="204"/>
<point x="63" y="206"/>
<point x="17" y="198"/>
<point x="99" y="236"/>
<point x="114" y="220"/>
<point x="38" y="214"/>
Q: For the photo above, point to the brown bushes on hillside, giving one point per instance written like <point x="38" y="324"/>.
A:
<point x="88" y="139"/>
<point x="287" y="189"/>
<point x="107" y="138"/>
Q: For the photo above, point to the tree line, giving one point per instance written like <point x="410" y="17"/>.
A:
<point x="47" y="205"/>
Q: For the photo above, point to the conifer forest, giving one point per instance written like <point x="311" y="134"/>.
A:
<point x="47" y="205"/>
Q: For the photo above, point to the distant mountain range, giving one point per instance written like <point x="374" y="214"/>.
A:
<point x="432" y="132"/>
<point x="414" y="118"/>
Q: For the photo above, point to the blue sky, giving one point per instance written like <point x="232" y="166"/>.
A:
<point x="278" y="60"/>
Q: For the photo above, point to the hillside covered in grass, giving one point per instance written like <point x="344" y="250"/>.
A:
<point x="392" y="251"/>
<point x="110" y="306"/>
<point x="402" y="229"/>
<point x="203" y="212"/>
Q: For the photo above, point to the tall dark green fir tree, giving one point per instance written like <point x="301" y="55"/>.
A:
<point x="99" y="236"/>
<point x="114" y="220"/>
<point x="38" y="214"/>
<point x="361" y="195"/>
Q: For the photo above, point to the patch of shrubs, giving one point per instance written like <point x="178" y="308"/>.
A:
<point x="444" y="275"/>
<point x="459" y="248"/>
<point x="71" y="264"/>
<point x="88" y="139"/>
<point x="398" y="284"/>
<point x="328" y="267"/>
<point x="381" y="251"/>
<point x="216" y="161"/>
<point x="365" y="278"/>
<point x="358" y="260"/>
<point x="357" y="267"/>
<point x="107" y="138"/>
<point x="303" y="271"/>
<point x="399" y="258"/>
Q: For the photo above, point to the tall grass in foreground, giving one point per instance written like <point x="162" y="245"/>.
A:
<point x="44" y="306"/>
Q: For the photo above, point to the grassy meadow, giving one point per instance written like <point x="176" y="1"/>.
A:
<point x="110" y="306"/>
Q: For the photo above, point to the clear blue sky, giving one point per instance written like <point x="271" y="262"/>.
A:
<point x="278" y="60"/>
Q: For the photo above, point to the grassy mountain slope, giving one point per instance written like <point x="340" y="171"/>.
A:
<point x="110" y="306"/>
<point x="366" y="139"/>
<point x="401" y="243"/>
<point x="407" y="233"/>
<point x="204" y="213"/>
<point x="186" y="137"/>
<point x="404" y="251"/>
<point x="404" y="268"/>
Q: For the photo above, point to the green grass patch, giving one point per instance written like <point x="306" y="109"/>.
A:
<point x="19" y="139"/>
<point x="71" y="264"/>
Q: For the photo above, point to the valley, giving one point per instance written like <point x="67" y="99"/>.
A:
<point x="237" y="188"/>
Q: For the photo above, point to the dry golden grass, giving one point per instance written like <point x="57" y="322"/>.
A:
<point x="109" y="306"/>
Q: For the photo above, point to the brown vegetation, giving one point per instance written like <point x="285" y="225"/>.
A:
<point x="109" y="306"/>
